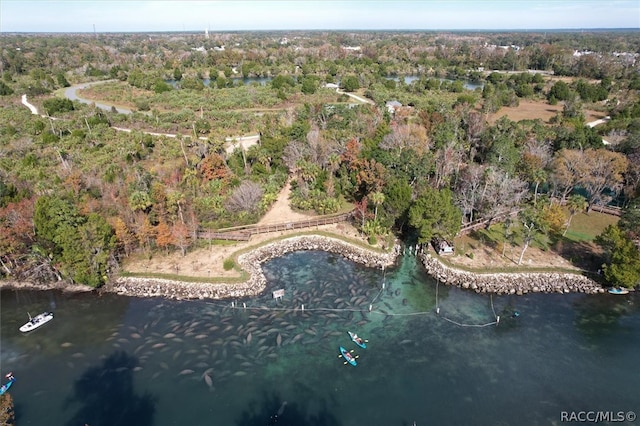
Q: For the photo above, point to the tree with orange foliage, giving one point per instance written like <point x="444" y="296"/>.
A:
<point x="145" y="232"/>
<point x="124" y="237"/>
<point x="180" y="237"/>
<point x="360" y="210"/>
<point x="213" y="167"/>
<point x="370" y="176"/>
<point x="16" y="228"/>
<point x="164" y="238"/>
<point x="74" y="181"/>
<point x="430" y="120"/>
<point x="351" y="153"/>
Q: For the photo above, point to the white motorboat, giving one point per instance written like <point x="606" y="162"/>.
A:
<point x="37" y="321"/>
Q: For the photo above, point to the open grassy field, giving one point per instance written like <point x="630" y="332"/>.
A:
<point x="531" y="110"/>
<point x="587" y="226"/>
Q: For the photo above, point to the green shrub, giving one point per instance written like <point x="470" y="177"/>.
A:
<point x="55" y="105"/>
<point x="372" y="240"/>
<point x="228" y="264"/>
<point x="470" y="255"/>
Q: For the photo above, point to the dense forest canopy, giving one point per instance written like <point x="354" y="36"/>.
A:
<point x="381" y="123"/>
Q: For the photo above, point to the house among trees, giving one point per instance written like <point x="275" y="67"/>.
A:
<point x="392" y="106"/>
<point x="442" y="246"/>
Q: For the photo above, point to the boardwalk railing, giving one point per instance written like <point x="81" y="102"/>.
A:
<point x="244" y="233"/>
<point x="481" y="223"/>
<point x="615" y="211"/>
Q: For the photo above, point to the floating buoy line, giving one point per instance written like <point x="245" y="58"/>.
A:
<point x="302" y="308"/>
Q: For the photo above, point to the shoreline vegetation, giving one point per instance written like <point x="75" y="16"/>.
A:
<point x="252" y="280"/>
<point x="137" y="200"/>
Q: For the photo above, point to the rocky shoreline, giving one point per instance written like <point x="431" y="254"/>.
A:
<point x="510" y="283"/>
<point x="61" y="285"/>
<point x="251" y="262"/>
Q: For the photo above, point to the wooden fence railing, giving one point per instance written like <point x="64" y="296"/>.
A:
<point x="615" y="211"/>
<point x="477" y="224"/>
<point x="244" y="233"/>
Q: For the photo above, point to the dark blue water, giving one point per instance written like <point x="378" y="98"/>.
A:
<point x="111" y="360"/>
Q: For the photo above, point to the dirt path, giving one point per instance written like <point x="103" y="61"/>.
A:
<point x="31" y="107"/>
<point x="281" y="210"/>
<point x="208" y="262"/>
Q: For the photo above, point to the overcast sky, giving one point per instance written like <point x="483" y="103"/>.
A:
<point x="230" y="15"/>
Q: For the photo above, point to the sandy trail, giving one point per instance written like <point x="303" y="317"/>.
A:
<point x="281" y="210"/>
<point x="208" y="262"/>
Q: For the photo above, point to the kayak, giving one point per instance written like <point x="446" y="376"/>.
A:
<point x="347" y="355"/>
<point x="618" y="291"/>
<point x="357" y="340"/>
<point x="6" y="387"/>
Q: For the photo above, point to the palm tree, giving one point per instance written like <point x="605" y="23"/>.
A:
<point x="575" y="204"/>
<point x="539" y="176"/>
<point x="377" y="198"/>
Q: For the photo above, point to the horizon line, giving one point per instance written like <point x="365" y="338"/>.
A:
<point x="566" y="29"/>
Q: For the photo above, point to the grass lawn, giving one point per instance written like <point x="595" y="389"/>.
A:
<point x="529" y="109"/>
<point x="587" y="226"/>
<point x="484" y="248"/>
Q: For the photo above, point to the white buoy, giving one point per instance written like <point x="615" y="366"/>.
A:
<point x="370" y="308"/>
<point x="498" y="320"/>
<point x="438" y="311"/>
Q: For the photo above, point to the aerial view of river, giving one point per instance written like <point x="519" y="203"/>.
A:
<point x="434" y="355"/>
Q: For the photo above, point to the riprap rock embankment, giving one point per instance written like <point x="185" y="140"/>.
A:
<point x="510" y="283"/>
<point x="251" y="262"/>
